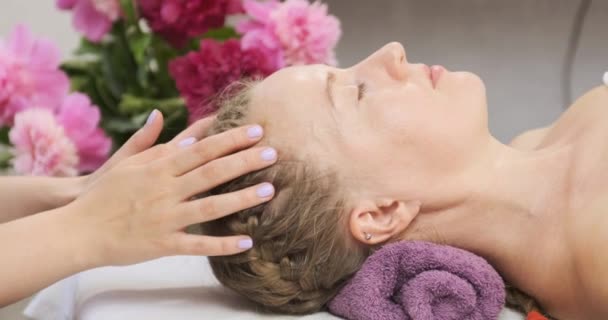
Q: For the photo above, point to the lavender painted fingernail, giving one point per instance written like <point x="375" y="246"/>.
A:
<point x="266" y="190"/>
<point x="186" y="142"/>
<point x="255" y="132"/>
<point x="269" y="154"/>
<point x="151" y="117"/>
<point x="245" y="244"/>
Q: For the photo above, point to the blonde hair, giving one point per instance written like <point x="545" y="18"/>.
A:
<point x="302" y="253"/>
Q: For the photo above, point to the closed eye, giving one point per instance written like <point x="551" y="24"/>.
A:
<point x="361" y="92"/>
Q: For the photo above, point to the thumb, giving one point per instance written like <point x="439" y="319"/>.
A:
<point x="143" y="139"/>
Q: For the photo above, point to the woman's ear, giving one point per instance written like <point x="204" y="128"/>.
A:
<point x="374" y="222"/>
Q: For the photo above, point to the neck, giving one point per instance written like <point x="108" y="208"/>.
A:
<point x="504" y="209"/>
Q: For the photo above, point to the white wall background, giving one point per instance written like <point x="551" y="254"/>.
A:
<point x="44" y="20"/>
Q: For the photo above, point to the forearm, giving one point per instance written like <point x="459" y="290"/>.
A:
<point x="23" y="196"/>
<point x="39" y="250"/>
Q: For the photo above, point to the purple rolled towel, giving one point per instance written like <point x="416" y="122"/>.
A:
<point x="421" y="281"/>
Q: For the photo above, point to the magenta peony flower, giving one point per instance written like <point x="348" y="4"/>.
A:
<point x="29" y="74"/>
<point x="93" y="18"/>
<point x="292" y="33"/>
<point x="179" y="20"/>
<point x="201" y="75"/>
<point x="80" y="121"/>
<point x="235" y="7"/>
<point x="41" y="146"/>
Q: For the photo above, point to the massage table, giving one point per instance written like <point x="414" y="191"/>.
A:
<point x="178" y="287"/>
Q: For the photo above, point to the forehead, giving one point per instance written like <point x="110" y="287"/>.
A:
<point x="292" y="105"/>
<point x="286" y="84"/>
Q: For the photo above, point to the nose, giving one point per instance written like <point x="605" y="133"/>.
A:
<point x="392" y="58"/>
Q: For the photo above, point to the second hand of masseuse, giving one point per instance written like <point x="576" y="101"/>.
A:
<point x="136" y="207"/>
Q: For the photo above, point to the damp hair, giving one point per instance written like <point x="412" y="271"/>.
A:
<point x="302" y="252"/>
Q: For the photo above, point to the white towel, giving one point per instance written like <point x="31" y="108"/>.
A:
<point x="55" y="302"/>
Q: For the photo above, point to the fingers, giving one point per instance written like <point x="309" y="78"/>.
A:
<point x="189" y="244"/>
<point x="197" y="130"/>
<point x="222" y="170"/>
<point x="215" y="207"/>
<point x="143" y="139"/>
<point x="211" y="148"/>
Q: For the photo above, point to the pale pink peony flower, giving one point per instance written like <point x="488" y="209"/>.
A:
<point x="41" y="147"/>
<point x="93" y="18"/>
<point x="29" y="74"/>
<point x="292" y="33"/>
<point x="80" y="121"/>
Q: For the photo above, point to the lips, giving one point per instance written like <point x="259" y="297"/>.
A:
<point x="436" y="72"/>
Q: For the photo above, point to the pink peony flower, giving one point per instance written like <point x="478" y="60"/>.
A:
<point x="29" y="74"/>
<point x="80" y="121"/>
<point x="93" y="18"/>
<point x="201" y="75"/>
<point x="179" y="20"/>
<point x="292" y="33"/>
<point x="41" y="146"/>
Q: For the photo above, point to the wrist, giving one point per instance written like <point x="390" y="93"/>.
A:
<point x="70" y="189"/>
<point x="60" y="191"/>
<point x="82" y="238"/>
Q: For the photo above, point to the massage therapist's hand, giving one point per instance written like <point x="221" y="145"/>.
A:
<point x="22" y="196"/>
<point x="137" y="209"/>
<point x="144" y="139"/>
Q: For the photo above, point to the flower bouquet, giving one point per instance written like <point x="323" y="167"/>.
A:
<point x="65" y="118"/>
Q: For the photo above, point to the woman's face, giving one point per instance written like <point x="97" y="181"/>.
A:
<point x="380" y="120"/>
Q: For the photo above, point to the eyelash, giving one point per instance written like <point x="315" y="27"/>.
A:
<point x="362" y="88"/>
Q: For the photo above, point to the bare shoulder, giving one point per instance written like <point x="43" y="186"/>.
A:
<point x="530" y="139"/>
<point x="591" y="105"/>
<point x="589" y="108"/>
<point x="599" y="92"/>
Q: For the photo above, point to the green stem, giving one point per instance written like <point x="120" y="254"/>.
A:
<point x="130" y="104"/>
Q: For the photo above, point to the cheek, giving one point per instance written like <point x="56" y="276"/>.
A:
<point x="399" y="117"/>
<point x="432" y="128"/>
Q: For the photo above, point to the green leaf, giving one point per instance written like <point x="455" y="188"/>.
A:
<point x="4" y="135"/>
<point x="162" y="53"/>
<point x="117" y="65"/>
<point x="79" y="83"/>
<point x="139" y="44"/>
<point x="130" y="11"/>
<point x="221" y="34"/>
<point x="5" y="158"/>
<point x="78" y="67"/>
<point x="88" y="47"/>
<point x="5" y="153"/>
<point x="106" y="98"/>
<point x="121" y="124"/>
<point x="175" y="123"/>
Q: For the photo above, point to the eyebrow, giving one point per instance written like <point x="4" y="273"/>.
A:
<point x="331" y="78"/>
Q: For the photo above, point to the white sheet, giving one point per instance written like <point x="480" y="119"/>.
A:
<point x="180" y="287"/>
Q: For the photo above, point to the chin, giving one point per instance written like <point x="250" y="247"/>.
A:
<point x="467" y="79"/>
<point x="466" y="85"/>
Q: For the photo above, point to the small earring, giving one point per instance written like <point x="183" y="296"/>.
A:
<point x="368" y="236"/>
